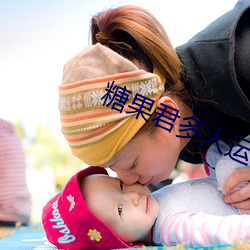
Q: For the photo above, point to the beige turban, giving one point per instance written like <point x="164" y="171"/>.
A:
<point x="94" y="128"/>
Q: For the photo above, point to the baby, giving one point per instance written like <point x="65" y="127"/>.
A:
<point x="96" y="211"/>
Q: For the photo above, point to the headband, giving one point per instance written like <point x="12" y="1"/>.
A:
<point x="95" y="127"/>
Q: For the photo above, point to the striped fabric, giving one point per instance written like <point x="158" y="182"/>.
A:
<point x="86" y="120"/>
<point x="15" y="200"/>
<point x="202" y="229"/>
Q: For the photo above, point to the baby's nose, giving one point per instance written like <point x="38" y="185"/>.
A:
<point x="133" y="197"/>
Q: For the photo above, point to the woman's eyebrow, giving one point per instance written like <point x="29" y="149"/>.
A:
<point x="114" y="163"/>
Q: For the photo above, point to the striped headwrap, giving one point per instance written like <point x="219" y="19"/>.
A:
<point x="93" y="126"/>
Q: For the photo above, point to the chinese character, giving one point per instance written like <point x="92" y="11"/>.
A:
<point x="171" y="115"/>
<point x="119" y="98"/>
<point x="190" y="127"/>
<point x="110" y="91"/>
<point x="241" y="149"/>
<point x="142" y="102"/>
<point x="216" y="135"/>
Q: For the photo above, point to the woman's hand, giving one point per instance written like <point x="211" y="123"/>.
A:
<point x="241" y="197"/>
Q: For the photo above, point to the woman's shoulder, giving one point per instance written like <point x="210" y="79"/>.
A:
<point x="209" y="65"/>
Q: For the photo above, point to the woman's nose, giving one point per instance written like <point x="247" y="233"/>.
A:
<point x="126" y="177"/>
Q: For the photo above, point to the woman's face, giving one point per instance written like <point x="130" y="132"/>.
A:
<point x="146" y="159"/>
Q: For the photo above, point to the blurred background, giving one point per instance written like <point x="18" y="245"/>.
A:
<point x="37" y="38"/>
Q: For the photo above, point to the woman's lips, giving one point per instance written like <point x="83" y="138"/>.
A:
<point x="148" y="183"/>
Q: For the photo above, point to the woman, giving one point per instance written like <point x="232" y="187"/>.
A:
<point x="205" y="97"/>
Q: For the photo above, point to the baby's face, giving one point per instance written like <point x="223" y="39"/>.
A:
<point x="130" y="211"/>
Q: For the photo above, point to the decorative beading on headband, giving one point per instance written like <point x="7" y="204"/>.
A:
<point x="82" y="104"/>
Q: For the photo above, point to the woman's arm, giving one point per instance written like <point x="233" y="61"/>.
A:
<point x="240" y="198"/>
<point x="233" y="176"/>
<point x="236" y="156"/>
